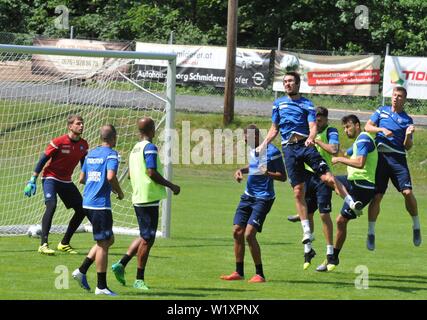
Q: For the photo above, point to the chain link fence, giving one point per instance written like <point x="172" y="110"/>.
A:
<point x="258" y="101"/>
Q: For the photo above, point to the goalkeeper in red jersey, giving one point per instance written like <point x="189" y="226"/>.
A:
<point x="59" y="160"/>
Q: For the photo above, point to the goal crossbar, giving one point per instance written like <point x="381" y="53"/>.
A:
<point x="169" y="101"/>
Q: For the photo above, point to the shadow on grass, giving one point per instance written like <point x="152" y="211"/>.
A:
<point x="351" y="284"/>
<point x="216" y="289"/>
<point x="399" y="278"/>
<point x="152" y="294"/>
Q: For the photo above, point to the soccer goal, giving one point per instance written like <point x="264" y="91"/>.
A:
<point x="40" y="86"/>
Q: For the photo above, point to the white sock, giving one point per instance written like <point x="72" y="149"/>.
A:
<point x="349" y="200"/>
<point x="371" y="227"/>
<point x="329" y="249"/>
<point x="307" y="247"/>
<point x="416" y="222"/>
<point x="305" y="226"/>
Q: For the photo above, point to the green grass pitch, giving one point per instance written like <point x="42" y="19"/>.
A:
<point x="188" y="266"/>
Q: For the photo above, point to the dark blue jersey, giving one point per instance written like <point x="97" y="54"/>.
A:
<point x="259" y="185"/>
<point x="396" y="123"/>
<point x="293" y="116"/>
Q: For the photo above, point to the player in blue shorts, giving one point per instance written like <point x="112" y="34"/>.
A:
<point x="255" y="203"/>
<point x="99" y="176"/>
<point x="360" y="179"/>
<point x="394" y="136"/>
<point x="148" y="188"/>
<point x="295" y="118"/>
<point x="317" y="194"/>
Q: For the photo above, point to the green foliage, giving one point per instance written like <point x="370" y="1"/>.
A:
<point x="302" y="24"/>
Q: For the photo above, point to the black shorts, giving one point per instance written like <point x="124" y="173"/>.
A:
<point x="358" y="191"/>
<point x="252" y="211"/>
<point x="102" y="223"/>
<point x="68" y="193"/>
<point x="148" y="220"/>
<point x="296" y="155"/>
<point x="318" y="195"/>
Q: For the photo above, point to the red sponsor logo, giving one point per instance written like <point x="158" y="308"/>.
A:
<point x="415" y="75"/>
<point x="331" y="78"/>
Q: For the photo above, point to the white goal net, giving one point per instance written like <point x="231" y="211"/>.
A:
<point x="40" y="87"/>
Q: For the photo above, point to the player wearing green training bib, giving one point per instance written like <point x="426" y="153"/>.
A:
<point x="318" y="195"/>
<point x="148" y="188"/>
<point x="360" y="179"/>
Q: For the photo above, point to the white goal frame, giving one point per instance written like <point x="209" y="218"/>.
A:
<point x="169" y="106"/>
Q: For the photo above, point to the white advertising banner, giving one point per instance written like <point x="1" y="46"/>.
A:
<point x="338" y="75"/>
<point x="407" y="72"/>
<point x="206" y="65"/>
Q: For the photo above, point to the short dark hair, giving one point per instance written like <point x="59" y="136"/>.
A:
<point x="350" y="118"/>
<point x="322" y="111"/>
<point x="401" y="89"/>
<point x="73" y="117"/>
<point x="108" y="133"/>
<point x="293" y="74"/>
<point x="252" y="127"/>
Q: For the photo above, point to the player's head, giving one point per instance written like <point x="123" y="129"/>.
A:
<point x="75" y="124"/>
<point x="252" y="135"/>
<point x="291" y="83"/>
<point x="398" y="97"/>
<point x="108" y="135"/>
<point x="146" y="127"/>
<point x="351" y="125"/>
<point x="321" y="118"/>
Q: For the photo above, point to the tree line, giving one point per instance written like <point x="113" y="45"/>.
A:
<point x="335" y="25"/>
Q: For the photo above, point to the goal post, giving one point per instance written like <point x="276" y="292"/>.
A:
<point x="40" y="86"/>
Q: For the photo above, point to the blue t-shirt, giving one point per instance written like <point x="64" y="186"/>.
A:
<point x="150" y="156"/>
<point x="259" y="185"/>
<point x="96" y="194"/>
<point x="396" y="123"/>
<point x="293" y="116"/>
<point x="364" y="145"/>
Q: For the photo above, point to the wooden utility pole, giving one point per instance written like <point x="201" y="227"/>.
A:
<point x="230" y="67"/>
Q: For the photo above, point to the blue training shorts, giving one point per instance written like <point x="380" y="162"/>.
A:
<point x="357" y="192"/>
<point x="148" y="219"/>
<point x="252" y="211"/>
<point x="318" y="195"/>
<point x="68" y="193"/>
<point x="392" y="166"/>
<point x="102" y="223"/>
<point x="296" y="154"/>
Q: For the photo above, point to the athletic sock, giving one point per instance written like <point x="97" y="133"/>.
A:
<point x="102" y="280"/>
<point x="329" y="249"/>
<point x="349" y="200"/>
<point x="416" y="222"/>
<point x="125" y="259"/>
<point x="140" y="274"/>
<point x="305" y="226"/>
<point x="371" y="227"/>
<point x="239" y="268"/>
<point x="259" y="271"/>
<point x="336" y="253"/>
<point x="307" y="247"/>
<point x="85" y="265"/>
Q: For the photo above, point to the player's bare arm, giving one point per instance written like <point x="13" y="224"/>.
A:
<point x="115" y="185"/>
<point x="158" y="178"/>
<point x="82" y="178"/>
<point x="238" y="175"/>
<point x="408" y="143"/>
<point x="358" y="162"/>
<point x="371" y="127"/>
<point x="312" y="135"/>
<point x="272" y="133"/>
<point x="332" y="149"/>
